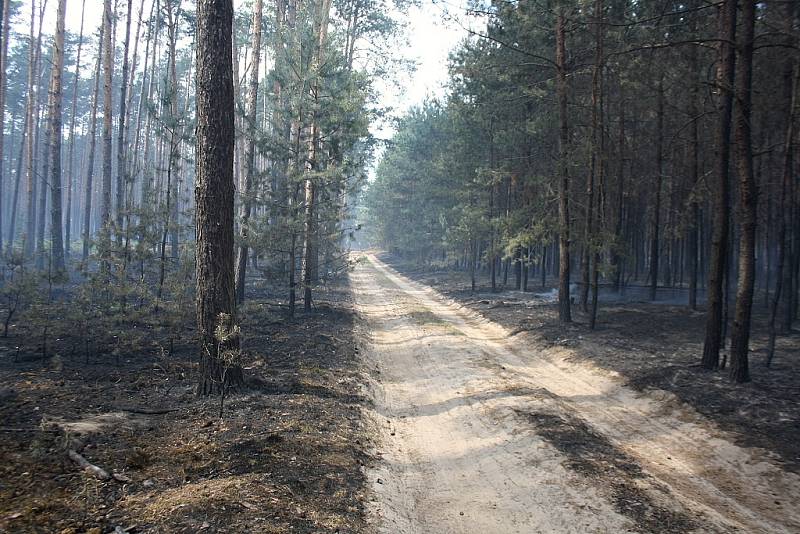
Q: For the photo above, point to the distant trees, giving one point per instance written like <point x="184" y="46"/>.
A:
<point x="652" y="106"/>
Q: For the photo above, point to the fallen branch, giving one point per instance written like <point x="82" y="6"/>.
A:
<point x="146" y="411"/>
<point x="90" y="468"/>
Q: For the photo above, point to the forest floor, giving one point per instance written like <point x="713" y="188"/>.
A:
<point x="652" y="347"/>
<point x="287" y="455"/>
<point x="502" y="423"/>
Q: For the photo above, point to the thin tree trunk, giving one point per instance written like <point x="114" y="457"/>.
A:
<point x="4" y="35"/>
<point x="655" y="242"/>
<point x="87" y="204"/>
<point x="564" y="312"/>
<point x="598" y="154"/>
<point x="30" y="212"/>
<point x="24" y="139"/>
<point x="121" y="148"/>
<point x="784" y="219"/>
<point x="247" y="193"/>
<point x="71" y="150"/>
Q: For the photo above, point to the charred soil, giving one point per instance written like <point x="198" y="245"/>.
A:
<point x="286" y="456"/>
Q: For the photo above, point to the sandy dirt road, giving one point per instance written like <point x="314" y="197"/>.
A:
<point x="478" y="433"/>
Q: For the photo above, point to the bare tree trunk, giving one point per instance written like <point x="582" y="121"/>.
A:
<point x="598" y="155"/>
<point x="24" y="139"/>
<point x="719" y="240"/>
<point x="70" y="161"/>
<point x="56" y="99"/>
<point x="87" y="204"/>
<point x="30" y="227"/>
<point x="4" y="35"/>
<point x="121" y="149"/>
<point x="694" y="177"/>
<point x="748" y="202"/>
<point x="247" y="193"/>
<point x="214" y="191"/>
<point x="175" y="138"/>
<point x="618" y="230"/>
<point x="655" y="243"/>
<point x="44" y="186"/>
<point x="321" y="18"/>
<point x="108" y="72"/>
<point x="564" y="312"/>
<point x="785" y="216"/>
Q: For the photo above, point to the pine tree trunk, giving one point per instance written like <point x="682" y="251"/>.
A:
<point x="23" y="140"/>
<point x="321" y="19"/>
<point x="108" y="72"/>
<point x="655" y="243"/>
<point x="30" y="212"/>
<point x="719" y="239"/>
<point x="748" y="202"/>
<point x="71" y="150"/>
<point x="43" y="186"/>
<point x="55" y="107"/>
<point x="88" y="183"/>
<point x="214" y="192"/>
<point x="4" y="35"/>
<point x="784" y="217"/>
<point x="564" y="312"/>
<point x="121" y="149"/>
<point x="247" y="193"/>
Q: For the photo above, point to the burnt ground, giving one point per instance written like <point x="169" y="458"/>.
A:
<point x="285" y="457"/>
<point x="654" y="346"/>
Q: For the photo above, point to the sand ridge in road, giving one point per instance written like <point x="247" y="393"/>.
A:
<point x="479" y="436"/>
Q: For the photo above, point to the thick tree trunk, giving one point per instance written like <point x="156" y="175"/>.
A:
<point x="214" y="191"/>
<point x="56" y="99"/>
<point x="108" y="72"/>
<point x="719" y="239"/>
<point x="748" y="202"/>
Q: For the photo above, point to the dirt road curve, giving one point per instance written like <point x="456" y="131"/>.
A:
<point x="478" y="434"/>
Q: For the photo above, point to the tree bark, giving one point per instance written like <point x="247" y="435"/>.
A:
<point x="4" y="35"/>
<point x="655" y="242"/>
<point x="87" y="203"/>
<point x="214" y="191"/>
<point x="748" y="201"/>
<point x="71" y="150"/>
<point x="108" y="72"/>
<point x="247" y="193"/>
<point x="564" y="308"/>
<point x="30" y="212"/>
<point x="719" y="239"/>
<point x="55" y="107"/>
<point x="121" y="148"/>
